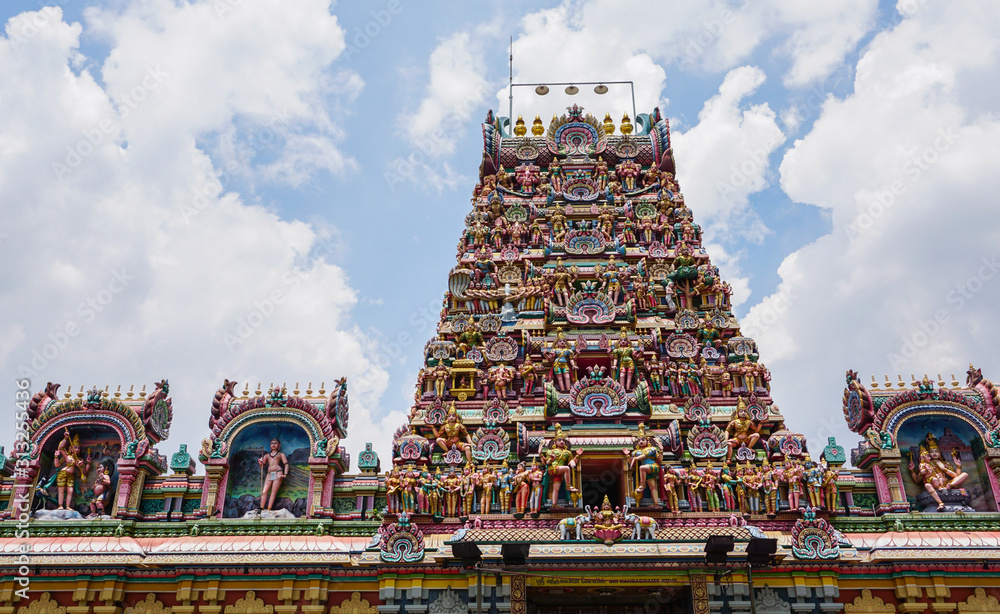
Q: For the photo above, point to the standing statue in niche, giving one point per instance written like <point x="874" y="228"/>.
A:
<point x="275" y="466"/>
<point x="71" y="465"/>
<point x="741" y="429"/>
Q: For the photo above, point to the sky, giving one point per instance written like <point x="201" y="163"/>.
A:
<point x="272" y="191"/>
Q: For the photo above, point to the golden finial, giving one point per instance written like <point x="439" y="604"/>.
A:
<point x="257" y="393"/>
<point x="888" y="384"/>
<point x="309" y="390"/>
<point x="270" y="387"/>
<point x="913" y="380"/>
<point x="874" y="383"/>
<point x="130" y="393"/>
<point x="142" y="393"/>
<point x="322" y="392"/>
<point x="296" y="391"/>
<point x="609" y="126"/>
<point x="118" y="392"/>
<point x="954" y="381"/>
<point x="626" y="127"/>
<point x="900" y="382"/>
<point x="537" y="128"/>
<point x="940" y="383"/>
<point x="519" y="129"/>
<point x="66" y="394"/>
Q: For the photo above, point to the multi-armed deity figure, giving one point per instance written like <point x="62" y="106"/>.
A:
<point x="645" y="461"/>
<point x="935" y="473"/>
<point x="276" y="471"/>
<point x="71" y="466"/>
<point x="561" y="463"/>
<point x="453" y="434"/>
<point x="741" y="430"/>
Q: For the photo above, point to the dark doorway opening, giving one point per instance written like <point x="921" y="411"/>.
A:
<point x="600" y="477"/>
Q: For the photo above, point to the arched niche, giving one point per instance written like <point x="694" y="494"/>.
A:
<point x="103" y="441"/>
<point x="246" y="476"/>
<point x="953" y="429"/>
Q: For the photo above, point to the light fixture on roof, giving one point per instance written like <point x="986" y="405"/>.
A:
<point x="601" y="89"/>
<point x="542" y="90"/>
<point x="572" y="90"/>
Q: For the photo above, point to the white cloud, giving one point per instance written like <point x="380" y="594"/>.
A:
<point x="726" y="156"/>
<point x="126" y="260"/>
<point x="908" y="279"/>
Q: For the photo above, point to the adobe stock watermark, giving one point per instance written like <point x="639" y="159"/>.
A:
<point x="363" y="35"/>
<point x="264" y="137"/>
<point x="21" y="508"/>
<point x="710" y="32"/>
<point x="264" y="307"/>
<point x="767" y="314"/>
<point x="431" y="145"/>
<point x="87" y="310"/>
<point x="95" y="136"/>
<point x="743" y="174"/>
<point x="29" y="25"/>
<point x="957" y="298"/>
<point x="914" y="169"/>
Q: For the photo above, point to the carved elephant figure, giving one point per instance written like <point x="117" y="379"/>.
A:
<point x="642" y="525"/>
<point x="574" y="523"/>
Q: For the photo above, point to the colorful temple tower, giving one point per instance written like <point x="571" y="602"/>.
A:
<point x="591" y="433"/>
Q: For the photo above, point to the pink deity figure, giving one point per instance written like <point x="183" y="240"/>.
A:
<point x="517" y="231"/>
<point x="643" y="296"/>
<point x="793" y="477"/>
<point x="499" y="232"/>
<point x="501" y="376"/>
<point x="646" y="227"/>
<point x="628" y="171"/>
<point x="275" y="466"/>
<point x="101" y="485"/>
<point x="606" y="221"/>
<point x="612" y="284"/>
<point x="392" y="491"/>
<point x="527" y="176"/>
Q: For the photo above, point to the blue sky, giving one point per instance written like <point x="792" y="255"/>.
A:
<point x="278" y="187"/>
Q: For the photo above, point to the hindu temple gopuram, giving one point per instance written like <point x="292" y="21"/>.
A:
<point x="591" y="433"/>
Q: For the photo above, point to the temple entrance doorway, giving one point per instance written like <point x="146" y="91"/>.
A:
<point x="600" y="476"/>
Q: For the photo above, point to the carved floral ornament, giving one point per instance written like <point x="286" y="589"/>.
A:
<point x="42" y="605"/>
<point x="354" y="605"/>
<point x="448" y="602"/>
<point x="150" y="605"/>
<point x="249" y="605"/>
<point x="868" y="604"/>
<point x="979" y="603"/>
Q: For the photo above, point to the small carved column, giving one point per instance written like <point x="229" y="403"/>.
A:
<point x="889" y="484"/>
<point x="127" y="474"/>
<point x="216" y="471"/>
<point x="318" y="469"/>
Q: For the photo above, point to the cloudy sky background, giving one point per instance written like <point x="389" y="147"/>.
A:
<point x="272" y="191"/>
